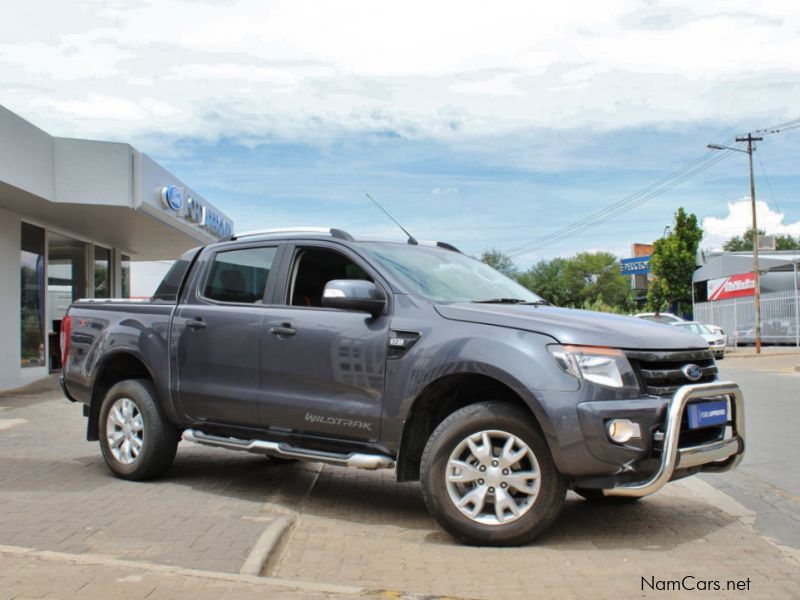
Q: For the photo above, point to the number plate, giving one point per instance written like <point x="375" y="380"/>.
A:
<point x="707" y="414"/>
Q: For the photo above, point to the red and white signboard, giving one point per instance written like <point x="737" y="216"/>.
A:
<point x="734" y="286"/>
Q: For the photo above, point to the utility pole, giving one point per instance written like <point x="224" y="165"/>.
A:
<point x="757" y="297"/>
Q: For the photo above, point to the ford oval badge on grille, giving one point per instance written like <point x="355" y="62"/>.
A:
<point x="692" y="372"/>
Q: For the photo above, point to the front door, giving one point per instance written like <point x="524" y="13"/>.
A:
<point x="218" y="332"/>
<point x="322" y="369"/>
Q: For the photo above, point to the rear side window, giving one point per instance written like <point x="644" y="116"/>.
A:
<point x="168" y="288"/>
<point x="239" y="275"/>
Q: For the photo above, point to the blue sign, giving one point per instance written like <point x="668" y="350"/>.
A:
<point x="196" y="211"/>
<point x="635" y="266"/>
<point x="172" y="197"/>
<point x="707" y="414"/>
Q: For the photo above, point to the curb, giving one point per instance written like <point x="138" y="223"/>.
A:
<point x="265" y="544"/>
<point x="110" y="561"/>
<point x="762" y="355"/>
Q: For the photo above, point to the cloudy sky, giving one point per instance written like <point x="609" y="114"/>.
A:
<point x="485" y="124"/>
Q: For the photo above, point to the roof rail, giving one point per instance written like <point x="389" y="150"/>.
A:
<point x="447" y="246"/>
<point x="333" y="232"/>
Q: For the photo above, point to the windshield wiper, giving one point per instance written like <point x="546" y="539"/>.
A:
<point x="509" y="301"/>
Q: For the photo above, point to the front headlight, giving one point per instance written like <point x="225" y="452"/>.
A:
<point x="608" y="367"/>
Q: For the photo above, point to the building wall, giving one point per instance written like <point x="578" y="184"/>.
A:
<point x="9" y="299"/>
<point x="90" y="172"/>
<point x="27" y="153"/>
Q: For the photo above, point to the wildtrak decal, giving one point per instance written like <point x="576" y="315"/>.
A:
<point x="311" y="418"/>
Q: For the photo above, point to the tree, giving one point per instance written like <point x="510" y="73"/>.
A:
<point x="546" y="278"/>
<point x="673" y="261"/>
<point x="744" y="243"/>
<point x="500" y="262"/>
<point x="587" y="280"/>
<point x="787" y="242"/>
<point x="594" y="279"/>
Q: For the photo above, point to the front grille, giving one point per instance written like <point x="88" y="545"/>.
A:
<point x="659" y="371"/>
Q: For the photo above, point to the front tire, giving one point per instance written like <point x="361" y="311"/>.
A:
<point x="136" y="440"/>
<point x="488" y="477"/>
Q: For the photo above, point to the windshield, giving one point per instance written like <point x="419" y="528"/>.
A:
<point x="447" y="276"/>
<point x="697" y="328"/>
<point x="659" y="318"/>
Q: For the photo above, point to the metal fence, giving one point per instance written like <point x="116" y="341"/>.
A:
<point x="780" y="318"/>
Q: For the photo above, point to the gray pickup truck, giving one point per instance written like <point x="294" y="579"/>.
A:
<point x="313" y="345"/>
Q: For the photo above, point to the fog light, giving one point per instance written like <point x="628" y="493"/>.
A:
<point x="622" y="430"/>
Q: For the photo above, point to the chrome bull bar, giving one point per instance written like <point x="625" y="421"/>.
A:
<point x="718" y="456"/>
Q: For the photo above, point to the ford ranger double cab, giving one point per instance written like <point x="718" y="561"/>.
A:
<point x="313" y="345"/>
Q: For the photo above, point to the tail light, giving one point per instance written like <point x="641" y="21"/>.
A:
<point x="66" y="330"/>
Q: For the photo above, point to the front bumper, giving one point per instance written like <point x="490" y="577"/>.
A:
<point x="716" y="456"/>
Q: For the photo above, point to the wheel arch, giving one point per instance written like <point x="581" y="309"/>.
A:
<point x="117" y="366"/>
<point x="449" y="393"/>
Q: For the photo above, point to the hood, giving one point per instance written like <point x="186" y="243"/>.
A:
<point x="572" y="326"/>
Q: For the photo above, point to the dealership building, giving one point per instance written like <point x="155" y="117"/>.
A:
<point x="73" y="215"/>
<point x="724" y="290"/>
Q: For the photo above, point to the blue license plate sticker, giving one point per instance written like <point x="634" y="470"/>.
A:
<point x="708" y="414"/>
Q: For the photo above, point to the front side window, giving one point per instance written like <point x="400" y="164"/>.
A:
<point x="314" y="268"/>
<point x="239" y="275"/>
<point x="446" y="276"/>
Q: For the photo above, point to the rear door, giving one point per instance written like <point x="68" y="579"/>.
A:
<point x="323" y="369"/>
<point x="217" y="333"/>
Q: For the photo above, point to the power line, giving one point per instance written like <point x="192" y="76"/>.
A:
<point x="652" y="191"/>
<point x="788" y="125"/>
<point x="609" y="216"/>
<point x="638" y="198"/>
<point x="769" y="185"/>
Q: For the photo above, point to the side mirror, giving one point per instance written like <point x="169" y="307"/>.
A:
<point x="354" y="294"/>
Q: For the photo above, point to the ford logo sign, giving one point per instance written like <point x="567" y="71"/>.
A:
<point x="172" y="197"/>
<point x="692" y="372"/>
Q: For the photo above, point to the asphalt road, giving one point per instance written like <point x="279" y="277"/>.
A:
<point x="768" y="479"/>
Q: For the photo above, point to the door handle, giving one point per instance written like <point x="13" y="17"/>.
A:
<point x="284" y="330"/>
<point x="197" y="323"/>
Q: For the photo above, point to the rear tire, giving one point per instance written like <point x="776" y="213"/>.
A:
<point x="488" y="477"/>
<point x="136" y="440"/>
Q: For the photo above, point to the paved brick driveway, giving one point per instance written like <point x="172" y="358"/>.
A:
<point x="351" y="527"/>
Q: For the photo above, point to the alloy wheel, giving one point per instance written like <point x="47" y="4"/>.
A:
<point x="493" y="477"/>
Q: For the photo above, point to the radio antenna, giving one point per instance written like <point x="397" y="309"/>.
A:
<point x="411" y="238"/>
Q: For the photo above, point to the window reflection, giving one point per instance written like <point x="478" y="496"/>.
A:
<point x="32" y="268"/>
<point x="102" y="272"/>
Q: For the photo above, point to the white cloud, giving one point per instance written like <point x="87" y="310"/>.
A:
<point x="444" y="191"/>
<point x="301" y="68"/>
<point x="740" y="218"/>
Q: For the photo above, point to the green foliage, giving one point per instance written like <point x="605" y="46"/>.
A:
<point x="589" y="280"/>
<point x="787" y="242"/>
<point x="546" y="278"/>
<point x="600" y="306"/>
<point x="500" y="262"/>
<point x="744" y="243"/>
<point x="672" y="264"/>
<point x="595" y="276"/>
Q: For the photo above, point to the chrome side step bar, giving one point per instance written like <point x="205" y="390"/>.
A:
<point x="282" y="450"/>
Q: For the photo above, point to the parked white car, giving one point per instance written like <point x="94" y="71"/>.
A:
<point x="672" y="319"/>
<point x="716" y="341"/>
<point x="663" y="318"/>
